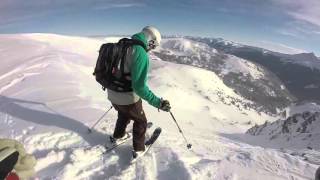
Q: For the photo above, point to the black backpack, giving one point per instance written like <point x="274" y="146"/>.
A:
<point x="109" y="70"/>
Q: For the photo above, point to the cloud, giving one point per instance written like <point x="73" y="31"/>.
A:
<point x="303" y="18"/>
<point x="126" y="5"/>
<point x="302" y="10"/>
<point x="298" y="29"/>
<point x="278" y="47"/>
<point x="289" y="32"/>
<point x="17" y="11"/>
<point x="231" y="11"/>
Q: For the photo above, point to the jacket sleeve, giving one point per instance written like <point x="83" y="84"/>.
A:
<point x="139" y="71"/>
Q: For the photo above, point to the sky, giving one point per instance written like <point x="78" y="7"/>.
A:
<point x="291" y="26"/>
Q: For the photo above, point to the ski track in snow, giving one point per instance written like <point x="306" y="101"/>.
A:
<point x="48" y="99"/>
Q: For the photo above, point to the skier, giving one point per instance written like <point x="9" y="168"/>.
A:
<point x="129" y="104"/>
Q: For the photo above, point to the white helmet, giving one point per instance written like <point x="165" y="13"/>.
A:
<point x="153" y="37"/>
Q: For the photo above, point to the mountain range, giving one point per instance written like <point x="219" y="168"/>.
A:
<point x="249" y="79"/>
<point x="298" y="72"/>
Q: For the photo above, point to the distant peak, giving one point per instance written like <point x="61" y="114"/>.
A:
<point x="306" y="56"/>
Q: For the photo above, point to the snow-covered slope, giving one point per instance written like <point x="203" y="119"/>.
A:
<point x="297" y="134"/>
<point x="197" y="53"/>
<point x="248" y="79"/>
<point x="299" y="123"/>
<point x="49" y="98"/>
<point x="300" y="130"/>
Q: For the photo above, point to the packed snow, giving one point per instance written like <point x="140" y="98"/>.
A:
<point x="49" y="99"/>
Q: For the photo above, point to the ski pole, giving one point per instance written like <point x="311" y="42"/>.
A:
<point x="174" y="119"/>
<point x="90" y="129"/>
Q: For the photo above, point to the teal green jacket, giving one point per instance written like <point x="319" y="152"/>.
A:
<point x="139" y="71"/>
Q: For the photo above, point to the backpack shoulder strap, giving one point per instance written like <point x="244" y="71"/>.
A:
<point x="131" y="42"/>
<point x="127" y="43"/>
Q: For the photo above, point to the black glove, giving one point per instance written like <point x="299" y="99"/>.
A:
<point x="165" y="105"/>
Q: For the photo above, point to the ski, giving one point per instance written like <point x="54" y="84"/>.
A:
<point x="156" y="133"/>
<point x="108" y="149"/>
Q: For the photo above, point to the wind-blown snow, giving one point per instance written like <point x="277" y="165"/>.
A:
<point x="49" y="98"/>
<point x="112" y="39"/>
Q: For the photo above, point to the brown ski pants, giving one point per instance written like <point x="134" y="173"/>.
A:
<point x="131" y="112"/>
